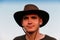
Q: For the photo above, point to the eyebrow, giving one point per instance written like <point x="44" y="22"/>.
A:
<point x="31" y="16"/>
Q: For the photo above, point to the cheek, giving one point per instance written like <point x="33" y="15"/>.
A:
<point x="24" y="23"/>
<point x="37" y="23"/>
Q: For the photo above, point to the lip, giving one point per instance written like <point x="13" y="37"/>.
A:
<point x="30" y="26"/>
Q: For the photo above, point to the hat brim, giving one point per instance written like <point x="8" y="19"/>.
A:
<point x="43" y="14"/>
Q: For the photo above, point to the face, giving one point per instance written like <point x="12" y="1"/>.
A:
<point x="31" y="22"/>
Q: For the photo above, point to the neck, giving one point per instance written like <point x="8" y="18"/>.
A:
<point x="32" y="35"/>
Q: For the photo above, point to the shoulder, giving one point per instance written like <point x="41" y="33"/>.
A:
<point x="20" y="38"/>
<point x="49" y="38"/>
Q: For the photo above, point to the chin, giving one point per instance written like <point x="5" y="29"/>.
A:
<point x="31" y="31"/>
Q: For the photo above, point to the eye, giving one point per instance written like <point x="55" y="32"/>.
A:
<point x="34" y="17"/>
<point x="25" y="18"/>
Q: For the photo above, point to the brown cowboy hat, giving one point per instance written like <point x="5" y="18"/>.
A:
<point x="29" y="9"/>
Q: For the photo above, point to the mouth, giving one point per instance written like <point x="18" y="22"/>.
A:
<point x="30" y="26"/>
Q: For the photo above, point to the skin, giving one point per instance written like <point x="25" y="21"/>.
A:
<point x="31" y="24"/>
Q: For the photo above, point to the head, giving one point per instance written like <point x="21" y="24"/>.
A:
<point x="31" y="18"/>
<point x="31" y="22"/>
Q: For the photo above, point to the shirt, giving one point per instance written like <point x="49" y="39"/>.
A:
<point x="23" y="38"/>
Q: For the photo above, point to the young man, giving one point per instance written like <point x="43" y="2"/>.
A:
<point x="31" y="19"/>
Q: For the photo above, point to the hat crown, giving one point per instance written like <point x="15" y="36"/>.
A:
<point x="30" y="7"/>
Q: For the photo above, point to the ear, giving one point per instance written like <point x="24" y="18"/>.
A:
<point x="41" y="21"/>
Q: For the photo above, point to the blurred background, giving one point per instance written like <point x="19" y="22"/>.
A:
<point x="9" y="29"/>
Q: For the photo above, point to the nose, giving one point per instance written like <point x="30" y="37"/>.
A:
<point x="29" y="21"/>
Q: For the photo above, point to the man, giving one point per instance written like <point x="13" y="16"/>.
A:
<point x="31" y="19"/>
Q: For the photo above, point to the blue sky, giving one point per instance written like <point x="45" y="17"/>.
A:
<point x="10" y="29"/>
<point x="29" y="0"/>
